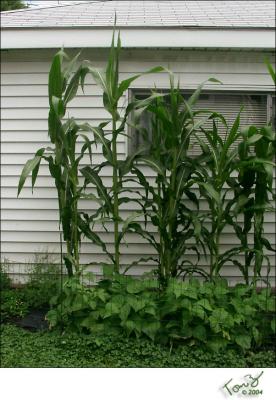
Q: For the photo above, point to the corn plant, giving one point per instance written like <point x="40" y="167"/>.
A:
<point x="216" y="184"/>
<point x="256" y="153"/>
<point x="265" y="152"/>
<point x="173" y="123"/>
<point x="62" y="158"/>
<point x="254" y="191"/>
<point x="111" y="200"/>
<point x="244" y="190"/>
<point x="248" y="194"/>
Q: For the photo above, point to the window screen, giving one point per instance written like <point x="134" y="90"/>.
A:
<point x="254" y="113"/>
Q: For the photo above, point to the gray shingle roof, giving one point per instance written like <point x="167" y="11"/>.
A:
<point x="214" y="14"/>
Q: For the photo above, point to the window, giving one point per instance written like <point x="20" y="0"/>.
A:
<point x="255" y="112"/>
<point x="271" y="111"/>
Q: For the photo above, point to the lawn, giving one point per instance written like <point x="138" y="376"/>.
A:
<point x="23" y="349"/>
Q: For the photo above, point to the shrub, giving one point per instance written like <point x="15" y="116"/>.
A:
<point x="210" y="314"/>
<point x="44" y="282"/>
<point x="13" y="305"/>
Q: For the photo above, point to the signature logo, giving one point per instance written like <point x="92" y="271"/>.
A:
<point x="248" y="387"/>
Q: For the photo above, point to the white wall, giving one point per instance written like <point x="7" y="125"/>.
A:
<point x="30" y="223"/>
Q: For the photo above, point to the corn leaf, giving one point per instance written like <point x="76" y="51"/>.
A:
<point x="55" y="84"/>
<point x="211" y="191"/>
<point x="91" y="176"/>
<point x="30" y="166"/>
<point x="154" y="164"/>
<point x="124" y="85"/>
<point x="72" y="87"/>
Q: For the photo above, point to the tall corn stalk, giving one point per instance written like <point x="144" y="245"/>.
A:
<point x="254" y="190"/>
<point x="179" y="227"/>
<point x="111" y="200"/>
<point x="216" y="184"/>
<point x="256" y="154"/>
<point x="248" y="194"/>
<point x="62" y="158"/>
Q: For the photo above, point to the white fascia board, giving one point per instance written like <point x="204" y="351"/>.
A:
<point x="38" y="38"/>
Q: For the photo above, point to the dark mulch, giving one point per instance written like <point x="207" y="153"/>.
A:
<point x="34" y="321"/>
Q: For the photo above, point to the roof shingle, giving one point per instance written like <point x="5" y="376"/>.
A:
<point x="213" y="14"/>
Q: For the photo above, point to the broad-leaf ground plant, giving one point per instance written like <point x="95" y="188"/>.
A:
<point x="211" y="314"/>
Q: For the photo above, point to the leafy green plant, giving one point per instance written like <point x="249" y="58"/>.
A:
<point x="63" y="159"/>
<point x="173" y="123"/>
<point x="7" y="5"/>
<point x="218" y="316"/>
<point x="211" y="314"/>
<point x="122" y="303"/>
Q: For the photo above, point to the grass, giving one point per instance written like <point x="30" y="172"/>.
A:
<point x="23" y="349"/>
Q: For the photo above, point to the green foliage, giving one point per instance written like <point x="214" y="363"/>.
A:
<point x="254" y="195"/>
<point x="5" y="281"/>
<point x="210" y="315"/>
<point x="173" y="123"/>
<point x="217" y="316"/>
<point x="172" y="204"/>
<point x="63" y="159"/>
<point x="121" y="304"/>
<point x="13" y="304"/>
<point x="110" y="201"/>
<point x="8" y="5"/>
<point x="271" y="70"/>
<point x="215" y="183"/>
<point x="49" y="349"/>
<point x="44" y="282"/>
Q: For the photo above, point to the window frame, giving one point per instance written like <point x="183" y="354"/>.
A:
<point x="271" y="109"/>
<point x="145" y="91"/>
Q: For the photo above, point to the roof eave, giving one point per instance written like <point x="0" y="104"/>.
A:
<point x="142" y="27"/>
<point x="146" y="37"/>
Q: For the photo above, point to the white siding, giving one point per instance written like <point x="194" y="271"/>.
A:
<point x="30" y="223"/>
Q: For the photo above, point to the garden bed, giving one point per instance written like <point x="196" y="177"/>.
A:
<point x="23" y="349"/>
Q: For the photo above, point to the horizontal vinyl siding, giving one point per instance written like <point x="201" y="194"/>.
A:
<point x="30" y="223"/>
